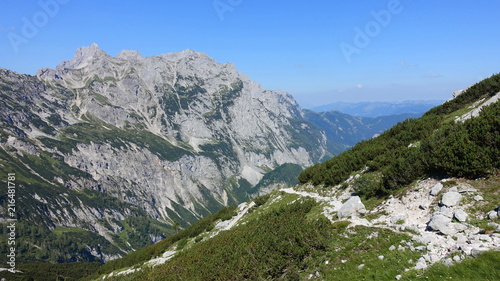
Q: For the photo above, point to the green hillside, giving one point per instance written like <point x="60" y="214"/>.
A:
<point x="433" y="145"/>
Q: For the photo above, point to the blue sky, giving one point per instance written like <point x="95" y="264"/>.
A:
<point x="319" y="51"/>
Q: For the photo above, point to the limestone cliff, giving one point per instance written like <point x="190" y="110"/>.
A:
<point x="164" y="138"/>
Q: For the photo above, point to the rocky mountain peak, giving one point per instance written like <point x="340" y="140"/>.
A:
<point x="129" y="55"/>
<point x="83" y="57"/>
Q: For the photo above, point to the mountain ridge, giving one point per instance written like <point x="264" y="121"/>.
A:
<point x="378" y="109"/>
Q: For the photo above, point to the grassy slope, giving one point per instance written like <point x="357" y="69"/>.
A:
<point x="484" y="267"/>
<point x="285" y="237"/>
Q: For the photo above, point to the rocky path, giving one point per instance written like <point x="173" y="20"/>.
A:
<point x="434" y="215"/>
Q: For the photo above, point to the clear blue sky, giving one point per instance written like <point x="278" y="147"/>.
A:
<point x="425" y="50"/>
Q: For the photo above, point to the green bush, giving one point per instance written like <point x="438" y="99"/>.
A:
<point x="277" y="245"/>
<point x="261" y="200"/>
<point x="159" y="248"/>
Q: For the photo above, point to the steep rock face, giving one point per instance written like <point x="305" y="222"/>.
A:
<point x="194" y="103"/>
<point x="170" y="137"/>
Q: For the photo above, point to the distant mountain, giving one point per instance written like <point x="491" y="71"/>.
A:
<point x="344" y="131"/>
<point x="111" y="154"/>
<point x="376" y="109"/>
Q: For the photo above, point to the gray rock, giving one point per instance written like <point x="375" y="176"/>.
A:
<point x="466" y="249"/>
<point x="453" y="228"/>
<point x="456" y="258"/>
<point x="478" y="198"/>
<point x="478" y="251"/>
<point x="399" y="218"/>
<point x="425" y="238"/>
<point x="352" y="207"/>
<point x="398" y="277"/>
<point x="460" y="215"/>
<point x="461" y="239"/>
<point x="446" y="211"/>
<point x="493" y="215"/>
<point x="439" y="222"/>
<point x="484" y="237"/>
<point x="431" y="258"/>
<point x="494" y="225"/>
<point x="420" y="248"/>
<point x="381" y="257"/>
<point x="436" y="189"/>
<point x="448" y="262"/>
<point x="421" y="264"/>
<point x="467" y="189"/>
<point x="451" y="198"/>
<point x="361" y="266"/>
<point x="392" y="248"/>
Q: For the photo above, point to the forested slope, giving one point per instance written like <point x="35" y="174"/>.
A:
<point x="433" y="145"/>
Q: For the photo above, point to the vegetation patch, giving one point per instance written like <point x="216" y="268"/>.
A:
<point x="286" y="174"/>
<point x="362" y="253"/>
<point x="144" y="254"/>
<point x="47" y="271"/>
<point x="278" y="245"/>
<point x="119" y="138"/>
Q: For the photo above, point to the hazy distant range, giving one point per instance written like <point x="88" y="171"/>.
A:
<point x="376" y="109"/>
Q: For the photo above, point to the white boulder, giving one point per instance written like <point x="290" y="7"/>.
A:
<point x="352" y="207"/>
<point x="451" y="198"/>
<point x="439" y="221"/>
<point x="460" y="215"/>
<point x="436" y="189"/>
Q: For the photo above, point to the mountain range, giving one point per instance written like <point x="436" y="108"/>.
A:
<point x="377" y="109"/>
<point x="115" y="153"/>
